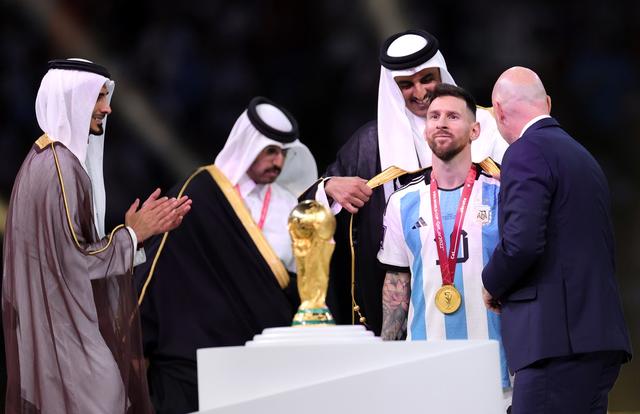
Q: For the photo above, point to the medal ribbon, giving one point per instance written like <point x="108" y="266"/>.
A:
<point x="448" y="263"/>
<point x="265" y="205"/>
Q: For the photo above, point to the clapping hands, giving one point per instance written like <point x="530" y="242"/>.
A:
<point x="157" y="215"/>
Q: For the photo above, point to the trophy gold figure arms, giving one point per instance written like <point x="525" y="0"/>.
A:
<point x="311" y="227"/>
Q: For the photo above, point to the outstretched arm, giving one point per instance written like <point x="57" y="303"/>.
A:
<point x="344" y="182"/>
<point x="525" y="198"/>
<point x="350" y="192"/>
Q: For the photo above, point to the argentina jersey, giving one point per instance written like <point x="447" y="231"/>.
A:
<point x="408" y="245"/>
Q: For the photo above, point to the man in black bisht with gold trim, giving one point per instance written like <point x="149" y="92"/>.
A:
<point x="227" y="274"/>
<point x="411" y="65"/>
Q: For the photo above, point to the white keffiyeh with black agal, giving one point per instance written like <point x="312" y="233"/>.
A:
<point x="64" y="105"/>
<point x="261" y="125"/>
<point x="401" y="140"/>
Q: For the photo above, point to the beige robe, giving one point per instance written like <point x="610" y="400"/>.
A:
<point x="70" y="319"/>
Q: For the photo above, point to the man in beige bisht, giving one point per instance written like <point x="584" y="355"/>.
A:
<point x="71" y="326"/>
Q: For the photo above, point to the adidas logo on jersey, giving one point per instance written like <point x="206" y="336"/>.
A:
<point x="419" y="223"/>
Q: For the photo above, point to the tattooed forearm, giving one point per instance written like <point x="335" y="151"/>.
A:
<point x="396" y="292"/>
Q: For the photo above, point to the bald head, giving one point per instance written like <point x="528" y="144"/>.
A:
<point x="518" y="97"/>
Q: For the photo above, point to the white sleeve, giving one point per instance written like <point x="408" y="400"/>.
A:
<point x="393" y="250"/>
<point x="139" y="256"/>
<point x="321" y="197"/>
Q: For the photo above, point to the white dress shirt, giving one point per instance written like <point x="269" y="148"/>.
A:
<point x="275" y="224"/>
<point x="533" y="121"/>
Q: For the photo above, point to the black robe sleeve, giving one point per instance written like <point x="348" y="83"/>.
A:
<point x="210" y="287"/>
<point x="357" y="157"/>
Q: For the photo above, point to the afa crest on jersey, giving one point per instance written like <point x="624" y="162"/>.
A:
<point x="483" y="214"/>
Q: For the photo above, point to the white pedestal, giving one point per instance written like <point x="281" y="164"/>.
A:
<point x="314" y="335"/>
<point x="359" y="377"/>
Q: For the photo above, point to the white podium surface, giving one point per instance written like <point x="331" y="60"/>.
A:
<point x="359" y="377"/>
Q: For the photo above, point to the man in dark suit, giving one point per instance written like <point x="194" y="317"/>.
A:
<point x="552" y="274"/>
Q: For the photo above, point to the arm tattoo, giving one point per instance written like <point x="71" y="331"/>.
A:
<point x="396" y="293"/>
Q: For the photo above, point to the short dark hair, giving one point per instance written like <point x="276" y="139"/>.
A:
<point x="445" y="89"/>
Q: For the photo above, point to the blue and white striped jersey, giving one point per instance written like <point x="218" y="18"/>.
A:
<point x="409" y="245"/>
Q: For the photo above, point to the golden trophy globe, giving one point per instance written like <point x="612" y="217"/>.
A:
<point x="311" y="227"/>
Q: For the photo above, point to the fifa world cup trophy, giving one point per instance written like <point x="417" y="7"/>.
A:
<point x="311" y="227"/>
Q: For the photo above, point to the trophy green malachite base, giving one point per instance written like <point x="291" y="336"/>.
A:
<point x="313" y="317"/>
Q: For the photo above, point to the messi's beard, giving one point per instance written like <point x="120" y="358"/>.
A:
<point x="446" y="153"/>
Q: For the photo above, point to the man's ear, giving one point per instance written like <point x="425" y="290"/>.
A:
<point x="475" y="131"/>
<point x="549" y="104"/>
<point x="498" y="113"/>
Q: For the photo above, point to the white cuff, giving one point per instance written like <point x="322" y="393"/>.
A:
<point x="134" y="238"/>
<point x="139" y="256"/>
<point x="321" y="197"/>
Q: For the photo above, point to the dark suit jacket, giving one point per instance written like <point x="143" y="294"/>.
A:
<point x="554" y="269"/>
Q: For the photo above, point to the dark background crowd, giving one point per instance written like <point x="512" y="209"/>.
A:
<point x="185" y="70"/>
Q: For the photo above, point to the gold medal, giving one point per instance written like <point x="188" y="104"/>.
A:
<point x="448" y="299"/>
